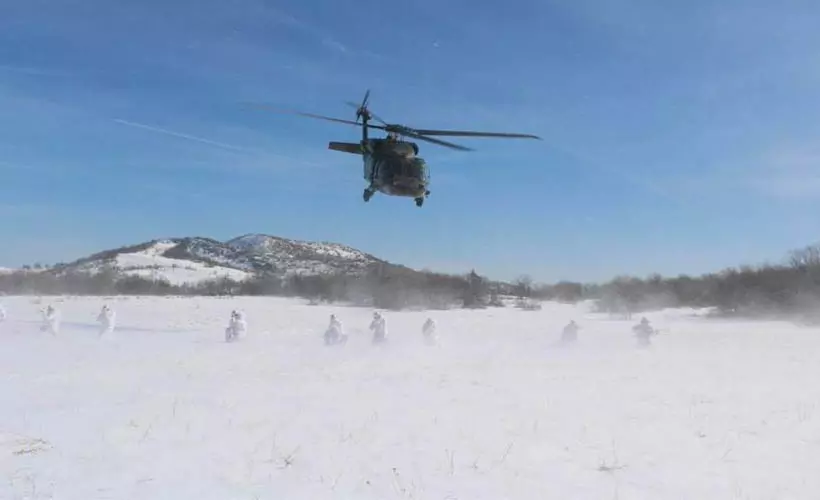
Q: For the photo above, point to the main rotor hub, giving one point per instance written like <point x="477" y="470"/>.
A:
<point x="363" y="113"/>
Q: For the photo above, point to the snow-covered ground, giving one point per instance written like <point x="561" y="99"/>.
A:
<point x="165" y="409"/>
<point x="150" y="263"/>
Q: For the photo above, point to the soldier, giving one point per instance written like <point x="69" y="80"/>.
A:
<point x="335" y="332"/>
<point x="643" y="332"/>
<point x="570" y="333"/>
<point x="237" y="326"/>
<point x="429" y="331"/>
<point x="107" y="319"/>
<point x="51" y="320"/>
<point x="379" y="327"/>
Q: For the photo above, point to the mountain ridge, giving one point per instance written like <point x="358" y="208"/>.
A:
<point x="193" y="259"/>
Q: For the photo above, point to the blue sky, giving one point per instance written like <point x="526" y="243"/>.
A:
<point x="679" y="137"/>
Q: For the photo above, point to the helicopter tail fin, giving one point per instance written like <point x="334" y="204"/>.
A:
<point x="346" y="147"/>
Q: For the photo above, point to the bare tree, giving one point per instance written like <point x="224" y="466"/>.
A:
<point x="523" y="286"/>
<point x="805" y="258"/>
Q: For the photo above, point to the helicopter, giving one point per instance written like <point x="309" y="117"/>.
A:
<point x="392" y="165"/>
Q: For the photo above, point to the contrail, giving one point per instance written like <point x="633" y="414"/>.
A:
<point x="325" y="39"/>
<point x="180" y="135"/>
<point x="31" y="70"/>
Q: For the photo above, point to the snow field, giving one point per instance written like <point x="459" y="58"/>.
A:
<point x="163" y="408"/>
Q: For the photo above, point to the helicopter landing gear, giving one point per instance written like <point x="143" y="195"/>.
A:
<point x="419" y="202"/>
<point x="368" y="193"/>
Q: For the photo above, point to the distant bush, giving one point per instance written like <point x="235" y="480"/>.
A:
<point x="790" y="289"/>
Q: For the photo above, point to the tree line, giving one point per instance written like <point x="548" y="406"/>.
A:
<point x="382" y="285"/>
<point x="786" y="289"/>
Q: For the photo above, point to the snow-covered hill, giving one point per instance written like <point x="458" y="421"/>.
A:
<point x="196" y="259"/>
<point x="304" y="257"/>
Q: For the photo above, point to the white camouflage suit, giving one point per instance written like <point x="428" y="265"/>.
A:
<point x="237" y="326"/>
<point x="644" y="332"/>
<point x="379" y="327"/>
<point x="429" y="331"/>
<point x="51" y="320"/>
<point x="335" y="332"/>
<point x="107" y="320"/>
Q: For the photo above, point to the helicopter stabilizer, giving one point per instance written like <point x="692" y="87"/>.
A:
<point x="346" y="147"/>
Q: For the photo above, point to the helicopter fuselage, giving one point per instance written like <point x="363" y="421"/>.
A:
<point x="391" y="167"/>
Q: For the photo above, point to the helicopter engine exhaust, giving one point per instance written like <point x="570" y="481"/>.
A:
<point x="403" y="149"/>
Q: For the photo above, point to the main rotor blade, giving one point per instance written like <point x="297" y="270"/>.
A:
<point x="409" y="133"/>
<point x="366" y="97"/>
<point x="311" y="115"/>
<point x="470" y="133"/>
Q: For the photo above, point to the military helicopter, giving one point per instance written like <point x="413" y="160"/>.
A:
<point x="392" y="165"/>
